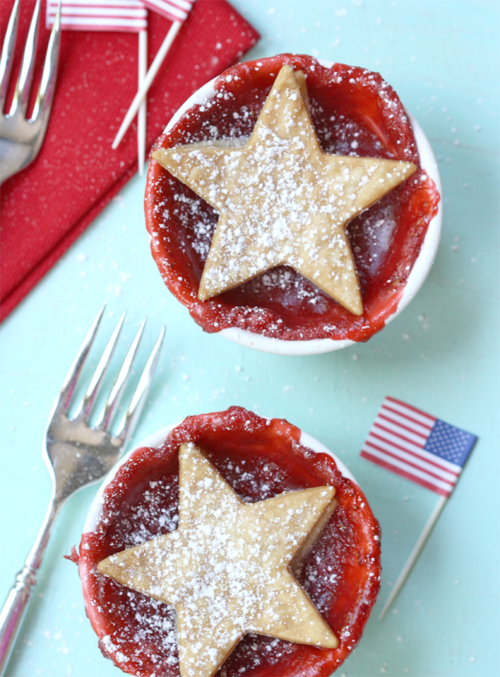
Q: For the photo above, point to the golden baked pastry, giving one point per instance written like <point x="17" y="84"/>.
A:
<point x="281" y="200"/>
<point x="227" y="568"/>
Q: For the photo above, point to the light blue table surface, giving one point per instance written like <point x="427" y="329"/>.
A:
<point x="440" y="355"/>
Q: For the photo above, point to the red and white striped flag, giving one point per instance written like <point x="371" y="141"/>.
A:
<point x="418" y="446"/>
<point x="175" y="10"/>
<point x="100" y="15"/>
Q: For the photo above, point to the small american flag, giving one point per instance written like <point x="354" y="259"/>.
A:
<point x="418" y="446"/>
<point x="175" y="10"/>
<point x="99" y="15"/>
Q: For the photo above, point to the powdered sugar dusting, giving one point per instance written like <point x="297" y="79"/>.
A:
<point x="338" y="109"/>
<point x="152" y="511"/>
<point x="154" y="626"/>
<point x="282" y="200"/>
<point x="226" y="568"/>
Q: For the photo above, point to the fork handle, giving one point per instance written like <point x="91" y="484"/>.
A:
<point x="17" y="600"/>
<point x="13" y="611"/>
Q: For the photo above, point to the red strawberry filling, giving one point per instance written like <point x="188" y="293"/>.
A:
<point x="260" y="458"/>
<point x="355" y="112"/>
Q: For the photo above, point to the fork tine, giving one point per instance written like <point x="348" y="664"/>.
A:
<point x="43" y="102"/>
<point x="8" y="53"/>
<point x="141" y="392"/>
<point x="99" y="374"/>
<point x="120" y="381"/>
<point x="71" y="379"/>
<point x="21" y="95"/>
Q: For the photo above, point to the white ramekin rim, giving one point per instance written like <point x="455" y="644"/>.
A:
<point x="156" y="439"/>
<point x="418" y="274"/>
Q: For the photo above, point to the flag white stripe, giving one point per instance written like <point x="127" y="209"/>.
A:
<point x="447" y="486"/>
<point x="410" y="439"/>
<point x="185" y="4"/>
<point x="421" y="418"/>
<point x="405" y="456"/>
<point x="97" y="3"/>
<point x="104" y="23"/>
<point x="402" y="473"/>
<point x="95" y="12"/>
<point x="401" y="420"/>
<point x="432" y="458"/>
<point x="113" y="15"/>
<point x="166" y="8"/>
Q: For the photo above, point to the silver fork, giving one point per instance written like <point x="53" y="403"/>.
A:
<point x="21" y="139"/>
<point x="77" y="454"/>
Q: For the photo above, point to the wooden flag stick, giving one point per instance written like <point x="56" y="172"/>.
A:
<point x="155" y="66"/>
<point x="415" y="553"/>
<point x="141" y="117"/>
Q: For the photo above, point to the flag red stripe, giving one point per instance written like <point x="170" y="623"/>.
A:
<point x="413" y="465"/>
<point x="408" y="476"/>
<point x="74" y="6"/>
<point x="414" y="420"/>
<point x="171" y="9"/>
<point x="128" y="28"/>
<point x="84" y="15"/>
<point x="447" y="485"/>
<point x="137" y="18"/>
<point x="408" y="406"/>
<point x="401" y="437"/>
<point x="103" y="8"/>
<point x="400" y="425"/>
<point x="184" y="4"/>
<point x="413" y="453"/>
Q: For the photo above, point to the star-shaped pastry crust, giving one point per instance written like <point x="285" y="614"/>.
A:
<point x="281" y="200"/>
<point x="226" y="569"/>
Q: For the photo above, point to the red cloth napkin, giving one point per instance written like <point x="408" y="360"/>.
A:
<point x="49" y="204"/>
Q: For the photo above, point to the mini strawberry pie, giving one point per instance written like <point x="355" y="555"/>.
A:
<point x="291" y="203"/>
<point x="233" y="545"/>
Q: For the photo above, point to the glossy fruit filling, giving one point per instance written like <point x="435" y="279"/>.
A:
<point x="355" y="112"/>
<point x="260" y="458"/>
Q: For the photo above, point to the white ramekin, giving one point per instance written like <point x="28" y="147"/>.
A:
<point x="417" y="276"/>
<point x="156" y="440"/>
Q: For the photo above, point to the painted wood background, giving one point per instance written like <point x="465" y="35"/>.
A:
<point x="441" y="355"/>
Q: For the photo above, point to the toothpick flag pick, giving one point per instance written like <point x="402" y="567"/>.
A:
<point x="142" y="114"/>
<point x="176" y="11"/>
<point x="420" y="448"/>
<point x="109" y="15"/>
